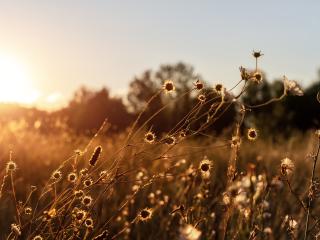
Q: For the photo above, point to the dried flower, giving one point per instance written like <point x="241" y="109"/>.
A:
<point x="257" y="77"/>
<point x="168" y="86"/>
<point x="11" y="166"/>
<point x="198" y="85"/>
<point x="287" y="166"/>
<point x="16" y="229"/>
<point x="88" y="223"/>
<point x="205" y="167"/>
<point x="292" y="87"/>
<point x="28" y="210"/>
<point x="257" y="54"/>
<point x="252" y="134"/>
<point x="218" y="88"/>
<point x="149" y="137"/>
<point x="87" y="200"/>
<point x="145" y="214"/>
<point x="79" y="194"/>
<point x="88" y="182"/>
<point x="72" y="177"/>
<point x="245" y="75"/>
<point x="170" y="140"/>
<point x="56" y="175"/>
<point x="202" y="98"/>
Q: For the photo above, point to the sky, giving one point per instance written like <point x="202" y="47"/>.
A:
<point x="57" y="46"/>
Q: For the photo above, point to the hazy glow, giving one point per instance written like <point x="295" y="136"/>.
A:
<point x="16" y="85"/>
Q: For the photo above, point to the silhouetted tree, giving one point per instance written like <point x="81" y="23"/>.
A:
<point x="179" y="104"/>
<point x="88" y="109"/>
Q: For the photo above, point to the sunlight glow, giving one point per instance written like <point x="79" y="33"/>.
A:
<point x="15" y="83"/>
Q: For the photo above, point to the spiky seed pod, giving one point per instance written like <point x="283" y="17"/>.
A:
<point x="145" y="214"/>
<point x="198" y="85"/>
<point x="11" y="166"/>
<point x="95" y="156"/>
<point x="257" y="54"/>
<point x="252" y="134"/>
<point x="168" y="86"/>
<point x="88" y="223"/>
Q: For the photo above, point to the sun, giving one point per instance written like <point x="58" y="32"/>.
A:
<point x="15" y="82"/>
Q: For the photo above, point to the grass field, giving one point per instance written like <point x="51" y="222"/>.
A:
<point x="185" y="184"/>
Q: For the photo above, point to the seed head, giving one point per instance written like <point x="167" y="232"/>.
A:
<point x="287" y="166"/>
<point x="149" y="137"/>
<point x="170" y="140"/>
<point x="11" y="166"/>
<point x="83" y="172"/>
<point x="72" y="177"/>
<point x="257" y="77"/>
<point x="28" y="211"/>
<point x="79" y="194"/>
<point x="292" y="87"/>
<point x="88" y="182"/>
<point x="87" y="200"/>
<point x="95" y="156"/>
<point x="257" y="54"/>
<point x="16" y="229"/>
<point x="205" y="167"/>
<point x="252" y="134"/>
<point x="198" y="85"/>
<point x="88" y="223"/>
<point x="145" y="214"/>
<point x="56" y="175"/>
<point x="168" y="86"/>
<point x="202" y="98"/>
<point x="218" y="88"/>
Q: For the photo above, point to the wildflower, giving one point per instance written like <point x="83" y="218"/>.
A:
<point x="149" y="137"/>
<point x="38" y="237"/>
<point x="168" y="86"/>
<point x="145" y="214"/>
<point x="198" y="85"/>
<point x="202" y="98"/>
<point x="189" y="232"/>
<point x="257" y="77"/>
<point x="11" y="166"/>
<point x="292" y="87"/>
<point x="56" y="175"/>
<point x="170" y="140"/>
<point x="95" y="156"/>
<point x="218" y="88"/>
<point x="87" y="200"/>
<point x="16" y="229"/>
<point x="72" y="177"/>
<point x="83" y="172"/>
<point x="88" y="223"/>
<point x="79" y="214"/>
<point x="28" y="210"/>
<point x="79" y="194"/>
<point x="287" y="166"/>
<point x="252" y="134"/>
<point x="257" y="54"/>
<point x="244" y="74"/>
<point x="88" y="182"/>
<point x="205" y="167"/>
<point x="235" y="141"/>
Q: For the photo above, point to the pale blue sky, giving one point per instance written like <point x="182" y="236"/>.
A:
<point x="70" y="43"/>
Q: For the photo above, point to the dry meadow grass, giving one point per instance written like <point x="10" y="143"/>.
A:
<point x="185" y="184"/>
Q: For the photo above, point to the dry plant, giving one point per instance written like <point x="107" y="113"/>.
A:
<point x="185" y="184"/>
